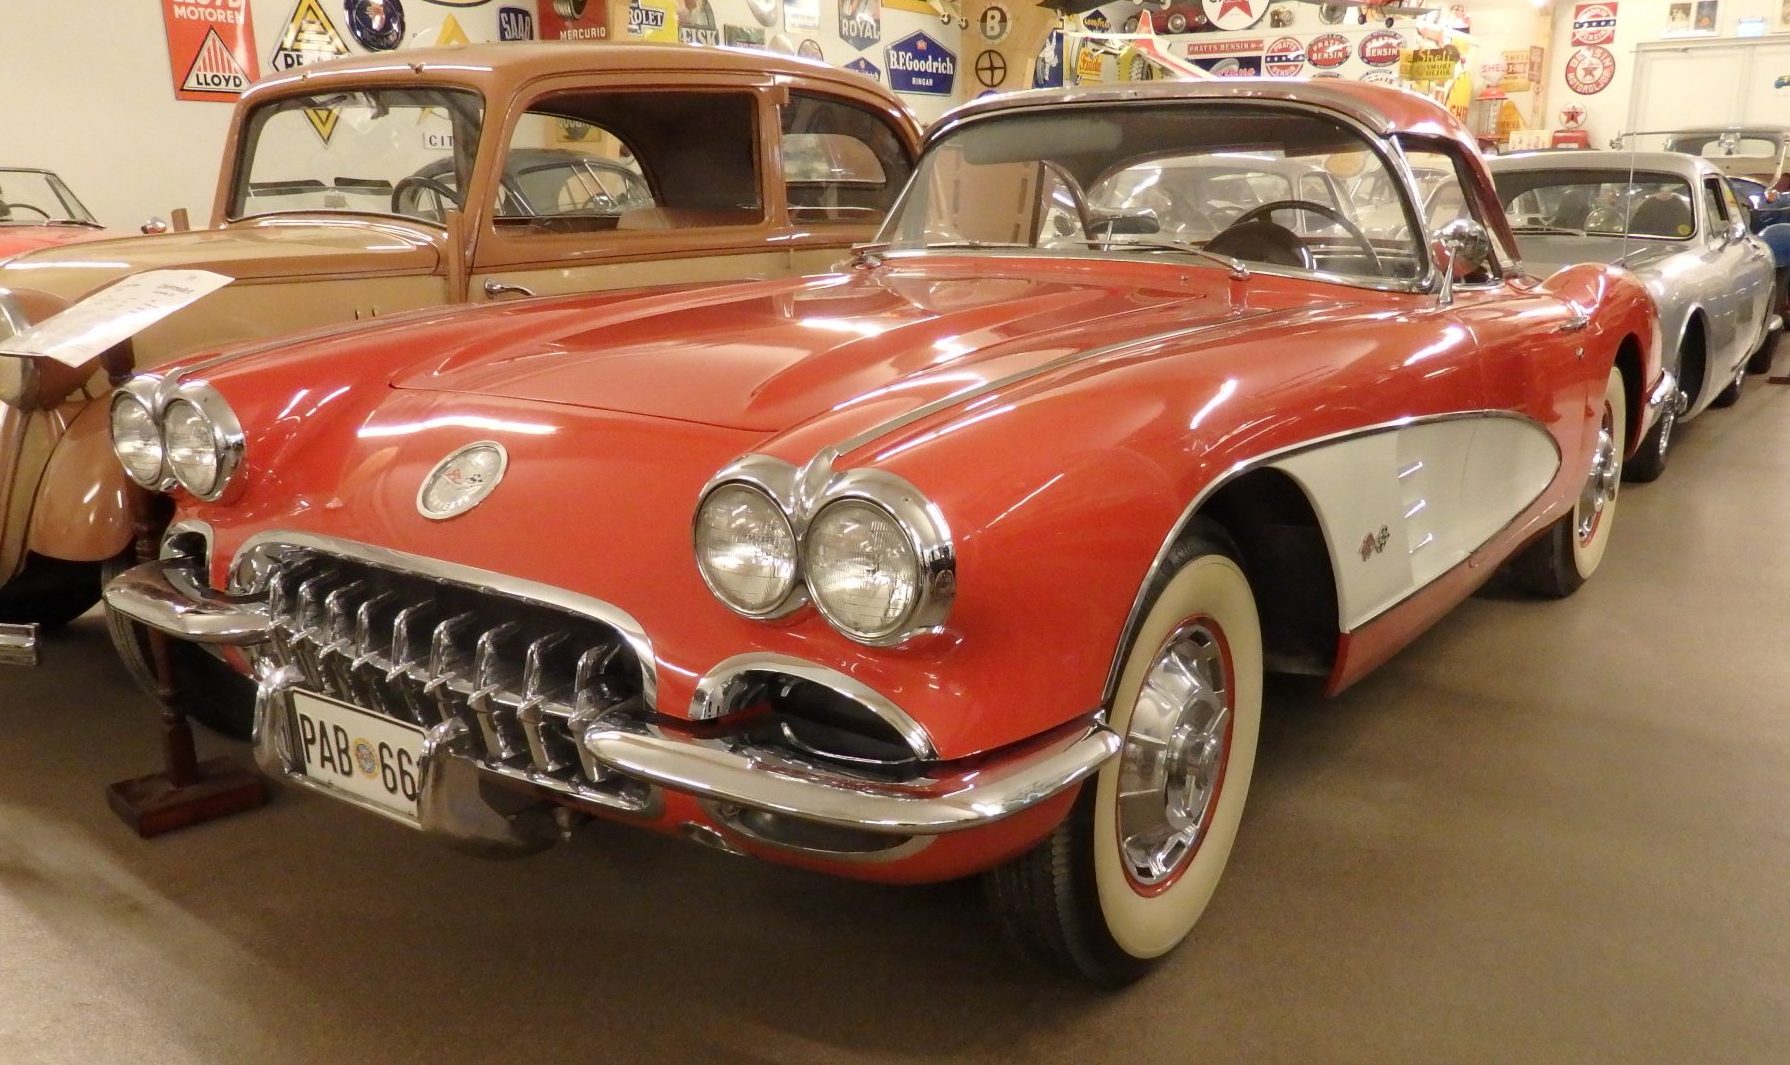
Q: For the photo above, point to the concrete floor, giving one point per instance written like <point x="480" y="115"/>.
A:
<point x="1548" y="832"/>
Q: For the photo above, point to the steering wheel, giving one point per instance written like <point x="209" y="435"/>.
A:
<point x="417" y="181"/>
<point x="1331" y="213"/>
<point x="8" y="208"/>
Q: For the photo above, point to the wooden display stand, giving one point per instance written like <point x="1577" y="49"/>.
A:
<point x="185" y="791"/>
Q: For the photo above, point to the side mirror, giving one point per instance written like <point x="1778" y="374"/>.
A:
<point x="153" y="227"/>
<point x="1466" y="248"/>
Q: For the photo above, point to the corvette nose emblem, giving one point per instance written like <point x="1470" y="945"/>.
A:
<point x="462" y="480"/>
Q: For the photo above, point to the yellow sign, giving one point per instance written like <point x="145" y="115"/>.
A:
<point x="323" y="120"/>
<point x="452" y="33"/>
<point x="1429" y="64"/>
<point x="653" y="20"/>
<point x="1522" y="68"/>
<point x="310" y="37"/>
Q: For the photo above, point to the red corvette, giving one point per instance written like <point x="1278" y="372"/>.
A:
<point x="968" y="559"/>
<point x="37" y="210"/>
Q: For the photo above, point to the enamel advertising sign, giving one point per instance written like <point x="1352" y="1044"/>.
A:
<point x="574" y="20"/>
<point x="919" y="64"/>
<point x="211" y="48"/>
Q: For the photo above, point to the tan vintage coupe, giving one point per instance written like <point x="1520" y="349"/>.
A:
<point x="363" y="188"/>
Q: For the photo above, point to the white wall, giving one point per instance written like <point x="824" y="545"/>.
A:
<point x="1638" y="22"/>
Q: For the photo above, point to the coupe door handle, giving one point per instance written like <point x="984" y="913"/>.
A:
<point x="495" y="288"/>
<point x="1575" y="324"/>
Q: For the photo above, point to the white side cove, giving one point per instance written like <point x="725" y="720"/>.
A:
<point x="1403" y="505"/>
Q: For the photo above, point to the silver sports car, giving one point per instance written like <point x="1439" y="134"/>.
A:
<point x="1676" y="223"/>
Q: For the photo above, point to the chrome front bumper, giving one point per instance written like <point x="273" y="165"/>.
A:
<point x="462" y="796"/>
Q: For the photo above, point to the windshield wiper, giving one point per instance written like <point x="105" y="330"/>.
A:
<point x="82" y="222"/>
<point x="1549" y="229"/>
<point x="1235" y="266"/>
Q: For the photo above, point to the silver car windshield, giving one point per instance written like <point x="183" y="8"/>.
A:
<point x="1264" y="184"/>
<point x="1604" y="202"/>
<point x="39" y="198"/>
<point x="402" y="152"/>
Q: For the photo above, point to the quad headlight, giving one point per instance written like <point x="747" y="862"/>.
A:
<point x="195" y="441"/>
<point x="868" y="549"/>
<point x="137" y="439"/>
<point x="746" y="549"/>
<point x="863" y="569"/>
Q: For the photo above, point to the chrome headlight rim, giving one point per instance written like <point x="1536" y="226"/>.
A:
<point x="928" y="537"/>
<point x="227" y="439"/>
<point x="752" y="479"/>
<point x="142" y="392"/>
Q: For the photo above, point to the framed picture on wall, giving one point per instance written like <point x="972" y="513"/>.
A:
<point x="1699" y="18"/>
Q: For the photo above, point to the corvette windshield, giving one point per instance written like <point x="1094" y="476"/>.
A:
<point x="1266" y="185"/>
<point x="390" y="151"/>
<point x="39" y="198"/>
<point x="1604" y="202"/>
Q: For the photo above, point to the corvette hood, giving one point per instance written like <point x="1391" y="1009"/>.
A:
<point x="766" y="356"/>
<point x="269" y="249"/>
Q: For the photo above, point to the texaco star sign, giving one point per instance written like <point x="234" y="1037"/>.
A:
<point x="1234" y="14"/>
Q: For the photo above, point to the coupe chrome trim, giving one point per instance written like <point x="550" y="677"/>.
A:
<point x="947" y="799"/>
<point x="477" y="579"/>
<point x="171" y="597"/>
<point x="1134" y="617"/>
<point x="718" y="689"/>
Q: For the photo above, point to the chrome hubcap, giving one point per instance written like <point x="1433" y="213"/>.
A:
<point x="1175" y="754"/>
<point x="1600" y="487"/>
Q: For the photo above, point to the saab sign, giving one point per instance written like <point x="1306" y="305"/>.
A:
<point x="919" y="64"/>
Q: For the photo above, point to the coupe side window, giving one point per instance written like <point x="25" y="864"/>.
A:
<point x="589" y="161"/>
<point x="841" y="162"/>
<point x="1718" y="211"/>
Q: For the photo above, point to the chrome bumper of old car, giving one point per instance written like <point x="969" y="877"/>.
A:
<point x="1666" y="391"/>
<point x="19" y="646"/>
<point x="529" y="687"/>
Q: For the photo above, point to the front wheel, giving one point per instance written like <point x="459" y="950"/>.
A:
<point x="1568" y="553"/>
<point x="1124" y="878"/>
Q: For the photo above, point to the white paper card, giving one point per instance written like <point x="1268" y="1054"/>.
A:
<point x="83" y="332"/>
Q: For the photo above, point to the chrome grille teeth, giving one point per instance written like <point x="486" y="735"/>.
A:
<point x="425" y="651"/>
<point x="537" y="691"/>
<point x="493" y="696"/>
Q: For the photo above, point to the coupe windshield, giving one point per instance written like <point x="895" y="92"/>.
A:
<point x="1263" y="184"/>
<point x="390" y="151"/>
<point x="39" y="198"/>
<point x="1605" y="202"/>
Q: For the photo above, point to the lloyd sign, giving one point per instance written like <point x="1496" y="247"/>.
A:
<point x="919" y="64"/>
<point x="211" y="48"/>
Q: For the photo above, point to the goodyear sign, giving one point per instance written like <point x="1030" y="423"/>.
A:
<point x="919" y="64"/>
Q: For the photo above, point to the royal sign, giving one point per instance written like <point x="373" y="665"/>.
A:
<point x="919" y="64"/>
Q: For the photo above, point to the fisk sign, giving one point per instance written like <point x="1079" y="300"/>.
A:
<point x="211" y="48"/>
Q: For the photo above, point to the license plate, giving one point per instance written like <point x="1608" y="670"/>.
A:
<point x="353" y="751"/>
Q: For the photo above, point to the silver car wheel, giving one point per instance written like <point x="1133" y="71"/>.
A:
<point x="1175" y="754"/>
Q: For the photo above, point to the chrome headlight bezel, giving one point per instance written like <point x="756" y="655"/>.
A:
<point x="802" y="494"/>
<point x="226" y="433"/>
<point x="140" y="393"/>
<point x="928" y="539"/>
<point x="768" y="478"/>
